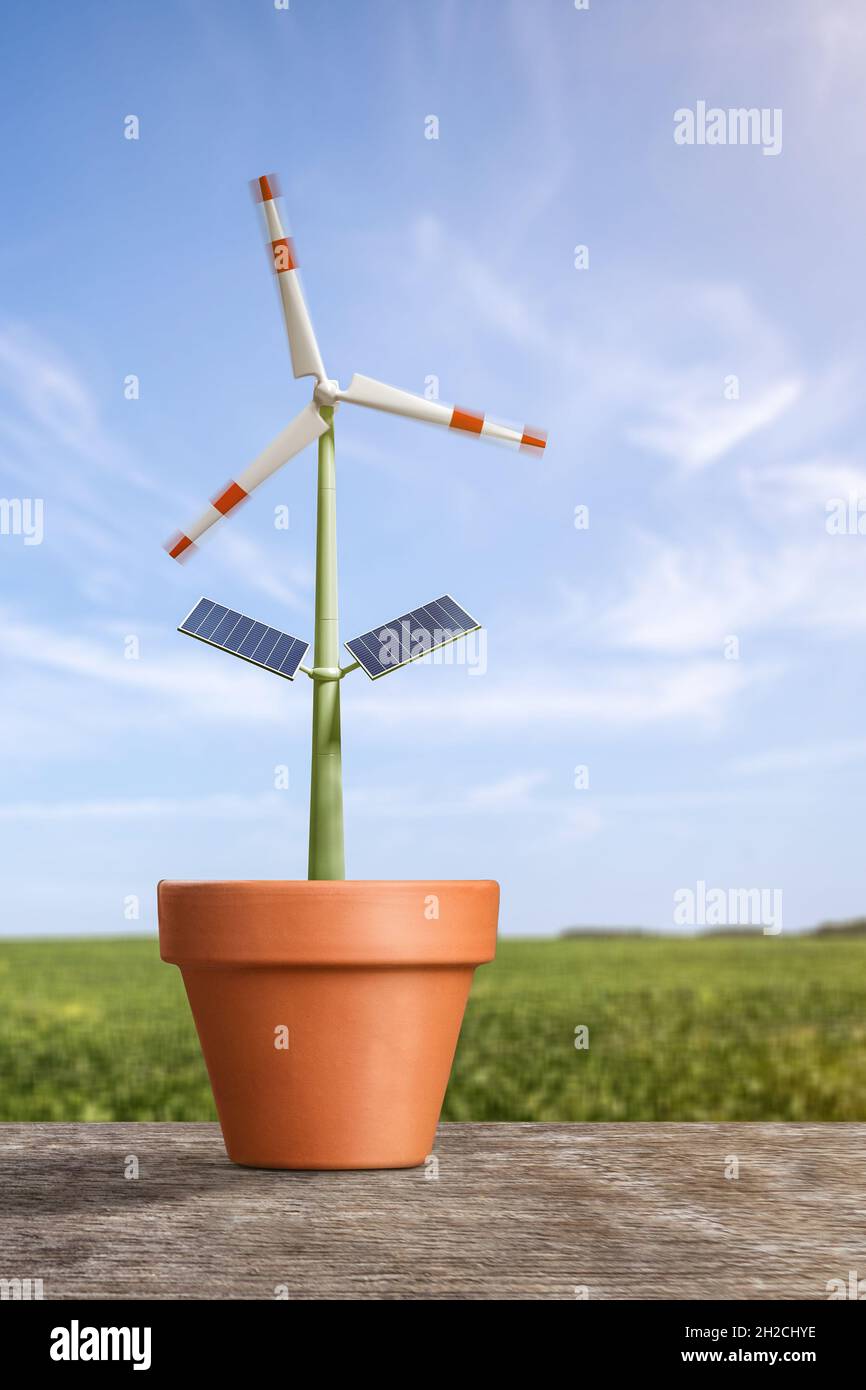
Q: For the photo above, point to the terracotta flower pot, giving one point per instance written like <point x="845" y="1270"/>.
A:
<point x="328" y="1012"/>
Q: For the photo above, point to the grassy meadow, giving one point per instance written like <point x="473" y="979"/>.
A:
<point x="760" y="1028"/>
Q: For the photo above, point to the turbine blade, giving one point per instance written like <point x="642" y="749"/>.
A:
<point x="376" y="395"/>
<point x="302" y="431"/>
<point x="306" y="358"/>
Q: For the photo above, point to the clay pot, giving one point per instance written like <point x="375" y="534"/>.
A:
<point x="328" y="1012"/>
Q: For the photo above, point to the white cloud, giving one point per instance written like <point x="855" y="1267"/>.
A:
<point x="834" y="48"/>
<point x="696" y="426"/>
<point x="801" y="758"/>
<point x="57" y="443"/>
<point x="636" y="371"/>
<point x="803" y="489"/>
<point x="214" y="807"/>
<point x="291" y="585"/>
<point x="67" y="692"/>
<point x="521" y="794"/>
<point x="69" y="684"/>
<point x="602" y="695"/>
<point x="49" y="411"/>
<point x="690" y="598"/>
<point x="555" y="818"/>
<point x="577" y="822"/>
<point x="509" y="793"/>
<point x="684" y="343"/>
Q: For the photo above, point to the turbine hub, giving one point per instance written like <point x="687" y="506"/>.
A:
<point x="326" y="392"/>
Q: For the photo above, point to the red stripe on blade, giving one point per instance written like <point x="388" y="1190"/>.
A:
<point x="533" y="439"/>
<point x="229" y="497"/>
<point x="266" y="188"/>
<point x="284" y="255"/>
<point x="178" y="544"/>
<point x="465" y="420"/>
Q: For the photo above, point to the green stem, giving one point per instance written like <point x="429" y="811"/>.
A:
<point x="326" y="776"/>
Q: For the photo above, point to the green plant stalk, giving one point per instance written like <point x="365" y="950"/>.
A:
<point x="326" y="859"/>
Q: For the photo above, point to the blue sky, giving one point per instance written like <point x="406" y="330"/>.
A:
<point x="606" y="647"/>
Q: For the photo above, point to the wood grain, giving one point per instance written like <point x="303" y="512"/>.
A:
<point x="517" y="1211"/>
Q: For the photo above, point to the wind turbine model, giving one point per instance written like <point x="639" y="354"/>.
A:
<point x="382" y="649"/>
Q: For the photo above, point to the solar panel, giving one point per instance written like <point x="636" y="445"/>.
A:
<point x="253" y="641"/>
<point x="411" y="636"/>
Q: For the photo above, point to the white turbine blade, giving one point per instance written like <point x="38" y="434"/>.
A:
<point x="305" y="427"/>
<point x="306" y="358"/>
<point x="302" y="431"/>
<point x="363" y="390"/>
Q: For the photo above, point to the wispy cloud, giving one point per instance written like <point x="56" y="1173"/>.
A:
<point x="68" y="692"/>
<point x="57" y="444"/>
<point x="48" y="404"/>
<point x="690" y="598"/>
<point x="506" y="796"/>
<point x="644" y="377"/>
<point x="801" y="757"/>
<point x="225" y="806"/>
<point x="803" y="489"/>
<point x="511" y="793"/>
<point x="836" y="48"/>
<point x="604" y="695"/>
<point x="696" y="426"/>
<point x="163" y="687"/>
<point x="525" y="795"/>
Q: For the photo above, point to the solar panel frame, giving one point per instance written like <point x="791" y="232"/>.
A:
<point x="206" y="618"/>
<point x="367" y="650"/>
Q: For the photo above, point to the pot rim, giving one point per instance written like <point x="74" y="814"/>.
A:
<point x="332" y="884"/>
<point x="325" y="923"/>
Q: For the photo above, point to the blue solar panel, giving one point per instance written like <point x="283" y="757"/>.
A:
<point x="237" y="635"/>
<point x="233" y="632"/>
<point x="213" y="619"/>
<point x="282" y="648"/>
<point x="411" y="636"/>
<point x="253" y="638"/>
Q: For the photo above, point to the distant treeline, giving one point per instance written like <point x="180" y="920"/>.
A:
<point x="854" y="926"/>
<point x="609" y="931"/>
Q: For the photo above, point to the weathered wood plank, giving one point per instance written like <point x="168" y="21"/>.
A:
<point x="522" y="1211"/>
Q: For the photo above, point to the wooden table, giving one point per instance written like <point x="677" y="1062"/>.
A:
<point x="506" y="1211"/>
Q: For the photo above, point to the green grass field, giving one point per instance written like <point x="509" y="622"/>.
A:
<point x="715" y="1029"/>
